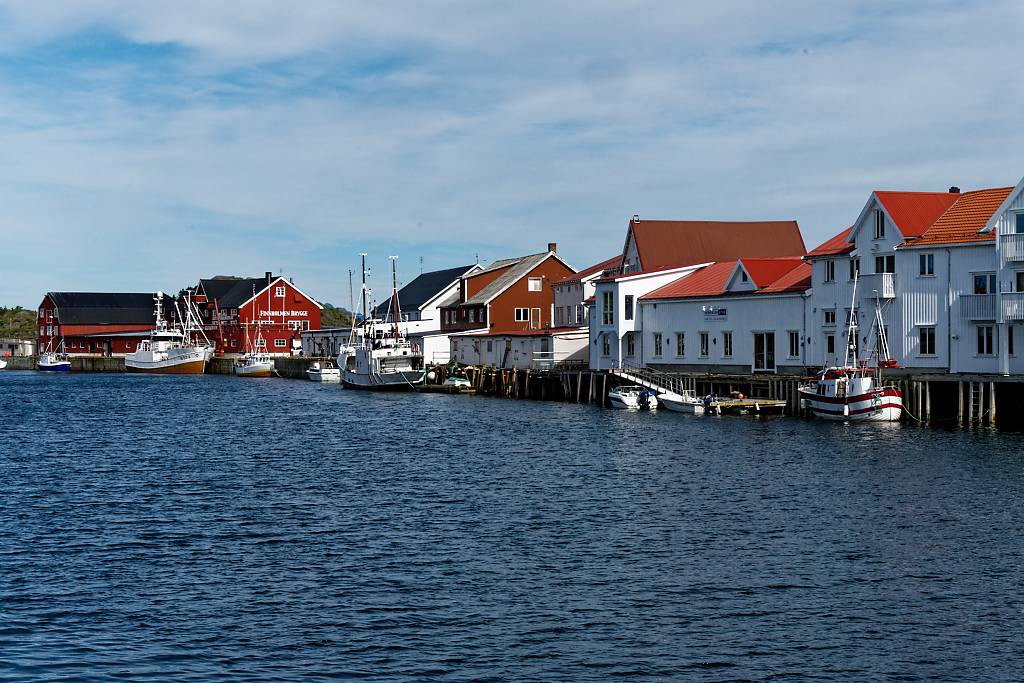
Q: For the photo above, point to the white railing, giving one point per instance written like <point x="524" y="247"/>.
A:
<point x="1013" y="306"/>
<point x="1011" y="247"/>
<point x="978" y="306"/>
<point x="879" y="285"/>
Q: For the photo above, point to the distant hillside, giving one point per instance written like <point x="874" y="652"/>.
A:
<point x="17" y="323"/>
<point x="335" y="317"/>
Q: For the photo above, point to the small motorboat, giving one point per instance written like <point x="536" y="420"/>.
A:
<point x="255" y="365"/>
<point x="632" y="397"/>
<point x="3" y="364"/>
<point x="454" y="382"/>
<point x="323" y="372"/>
<point x="54" y="362"/>
<point x="684" y="402"/>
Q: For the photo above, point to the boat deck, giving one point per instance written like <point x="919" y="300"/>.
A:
<point x="748" y="406"/>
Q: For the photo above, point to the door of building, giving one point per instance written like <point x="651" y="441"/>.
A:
<point x="764" y="352"/>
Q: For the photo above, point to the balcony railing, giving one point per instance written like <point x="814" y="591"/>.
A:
<point x="879" y="285"/>
<point x="1011" y="247"/>
<point x="1013" y="306"/>
<point x="978" y="306"/>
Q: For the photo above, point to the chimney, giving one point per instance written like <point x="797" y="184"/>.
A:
<point x="636" y="218"/>
<point x="552" y="246"/>
<point x="954" y="190"/>
<point x="269" y="276"/>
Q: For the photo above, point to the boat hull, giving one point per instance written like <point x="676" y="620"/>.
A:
<point x="678" y="406"/>
<point x="326" y="376"/>
<point x="192" y="367"/>
<point x="390" y="381"/>
<point x="64" y="366"/>
<point x="882" y="405"/>
<point x="254" y="371"/>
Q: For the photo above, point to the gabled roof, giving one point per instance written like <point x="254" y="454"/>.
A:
<point x="595" y="269"/>
<point x="519" y="269"/>
<point x="964" y="220"/>
<point x="108" y="308"/>
<point x="423" y="288"/>
<point x="238" y="292"/>
<point x="769" y="275"/>
<point x="662" y="244"/>
<point x="915" y="212"/>
<point x="835" y="245"/>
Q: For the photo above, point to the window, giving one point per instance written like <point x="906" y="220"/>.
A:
<point x="743" y="276"/>
<point x="680" y="343"/>
<point x="40" y="314"/>
<point x="630" y="344"/>
<point x="794" y="344"/>
<point x="629" y="307"/>
<point x="764" y="351"/>
<point x="830" y="317"/>
<point x="657" y="343"/>
<point x="607" y="308"/>
<point x="727" y="344"/>
<point x="879" y="224"/>
<point x="522" y="315"/>
<point x="704" y="343"/>
<point x="606" y="345"/>
<point x="830" y="271"/>
<point x="885" y="264"/>
<point x="472" y="315"/>
<point x="559" y="319"/>
<point x="49" y="330"/>
<point x="280" y="343"/>
<point x="279" y="291"/>
<point x="926" y="264"/>
<point x="305" y="325"/>
<point x="985" y="340"/>
<point x="851" y="317"/>
<point x="295" y="324"/>
<point x="854" y="268"/>
<point x="490" y="345"/>
<point x="534" y="284"/>
<point x="830" y="343"/>
<point x="927" y="335"/>
<point x="261" y="343"/>
<point x="984" y="283"/>
<point x="234" y="343"/>
<point x="1018" y="224"/>
<point x="1018" y="280"/>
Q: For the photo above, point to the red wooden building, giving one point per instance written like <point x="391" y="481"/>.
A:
<point x="508" y="295"/>
<point x="234" y="309"/>
<point x="96" y="323"/>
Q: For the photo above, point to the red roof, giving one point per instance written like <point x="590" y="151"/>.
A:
<point x="835" y="245"/>
<point x="914" y="212"/>
<point x="672" y="244"/>
<point x="770" y="275"/>
<point x="596" y="268"/>
<point x="965" y="218"/>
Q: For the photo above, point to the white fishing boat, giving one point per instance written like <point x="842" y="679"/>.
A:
<point x="171" y="350"/>
<point x="323" y="372"/>
<point x="256" y="362"/>
<point x="855" y="392"/>
<point x="3" y="364"/>
<point x="54" y="360"/>
<point x="381" y="359"/>
<point x="683" y="402"/>
<point x="630" y="396"/>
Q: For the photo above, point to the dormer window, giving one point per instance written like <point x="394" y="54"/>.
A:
<point x="879" y="224"/>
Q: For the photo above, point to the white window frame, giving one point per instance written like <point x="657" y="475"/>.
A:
<point x="830" y="270"/>
<point x="607" y="308"/>
<point x="926" y="265"/>
<point x="658" y="345"/>
<point x="522" y="315"/>
<point x="630" y="344"/>
<point x="828" y="317"/>
<point x="727" y="344"/>
<point x="705" y="344"/>
<point x="922" y="333"/>
<point x="680" y="344"/>
<point x="279" y="291"/>
<point x="879" y="224"/>
<point x="793" y="334"/>
<point x="535" y="284"/>
<point x="854" y="268"/>
<point x="990" y="338"/>
<point x="280" y="343"/>
<point x="606" y="345"/>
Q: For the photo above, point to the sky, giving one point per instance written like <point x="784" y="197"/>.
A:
<point x="144" y="145"/>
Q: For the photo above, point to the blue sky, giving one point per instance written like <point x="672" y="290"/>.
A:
<point x="147" y="144"/>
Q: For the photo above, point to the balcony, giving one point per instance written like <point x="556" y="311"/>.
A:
<point x="1011" y="247"/>
<point x="1013" y="306"/>
<point x="879" y="285"/>
<point x="978" y="306"/>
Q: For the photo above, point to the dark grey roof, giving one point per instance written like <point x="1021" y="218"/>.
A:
<point x="520" y="267"/>
<point x="104" y="308"/>
<point x="233" y="293"/>
<point x="422" y="289"/>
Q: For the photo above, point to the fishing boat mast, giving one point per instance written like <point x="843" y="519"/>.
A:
<point x="362" y="256"/>
<point x="394" y="295"/>
<point x="851" y="327"/>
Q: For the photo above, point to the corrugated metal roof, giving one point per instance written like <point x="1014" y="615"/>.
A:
<point x="108" y="308"/>
<point x="662" y="244"/>
<point x="915" y="212"/>
<point x="519" y="268"/>
<point x="962" y="221"/>
<point x="596" y="268"/>
<point x="233" y="293"/>
<point x="769" y="276"/>
<point x="835" y="245"/>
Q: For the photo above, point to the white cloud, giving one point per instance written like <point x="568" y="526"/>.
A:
<point x="279" y="130"/>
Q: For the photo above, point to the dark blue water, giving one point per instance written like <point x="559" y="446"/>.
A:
<point x="193" y="529"/>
